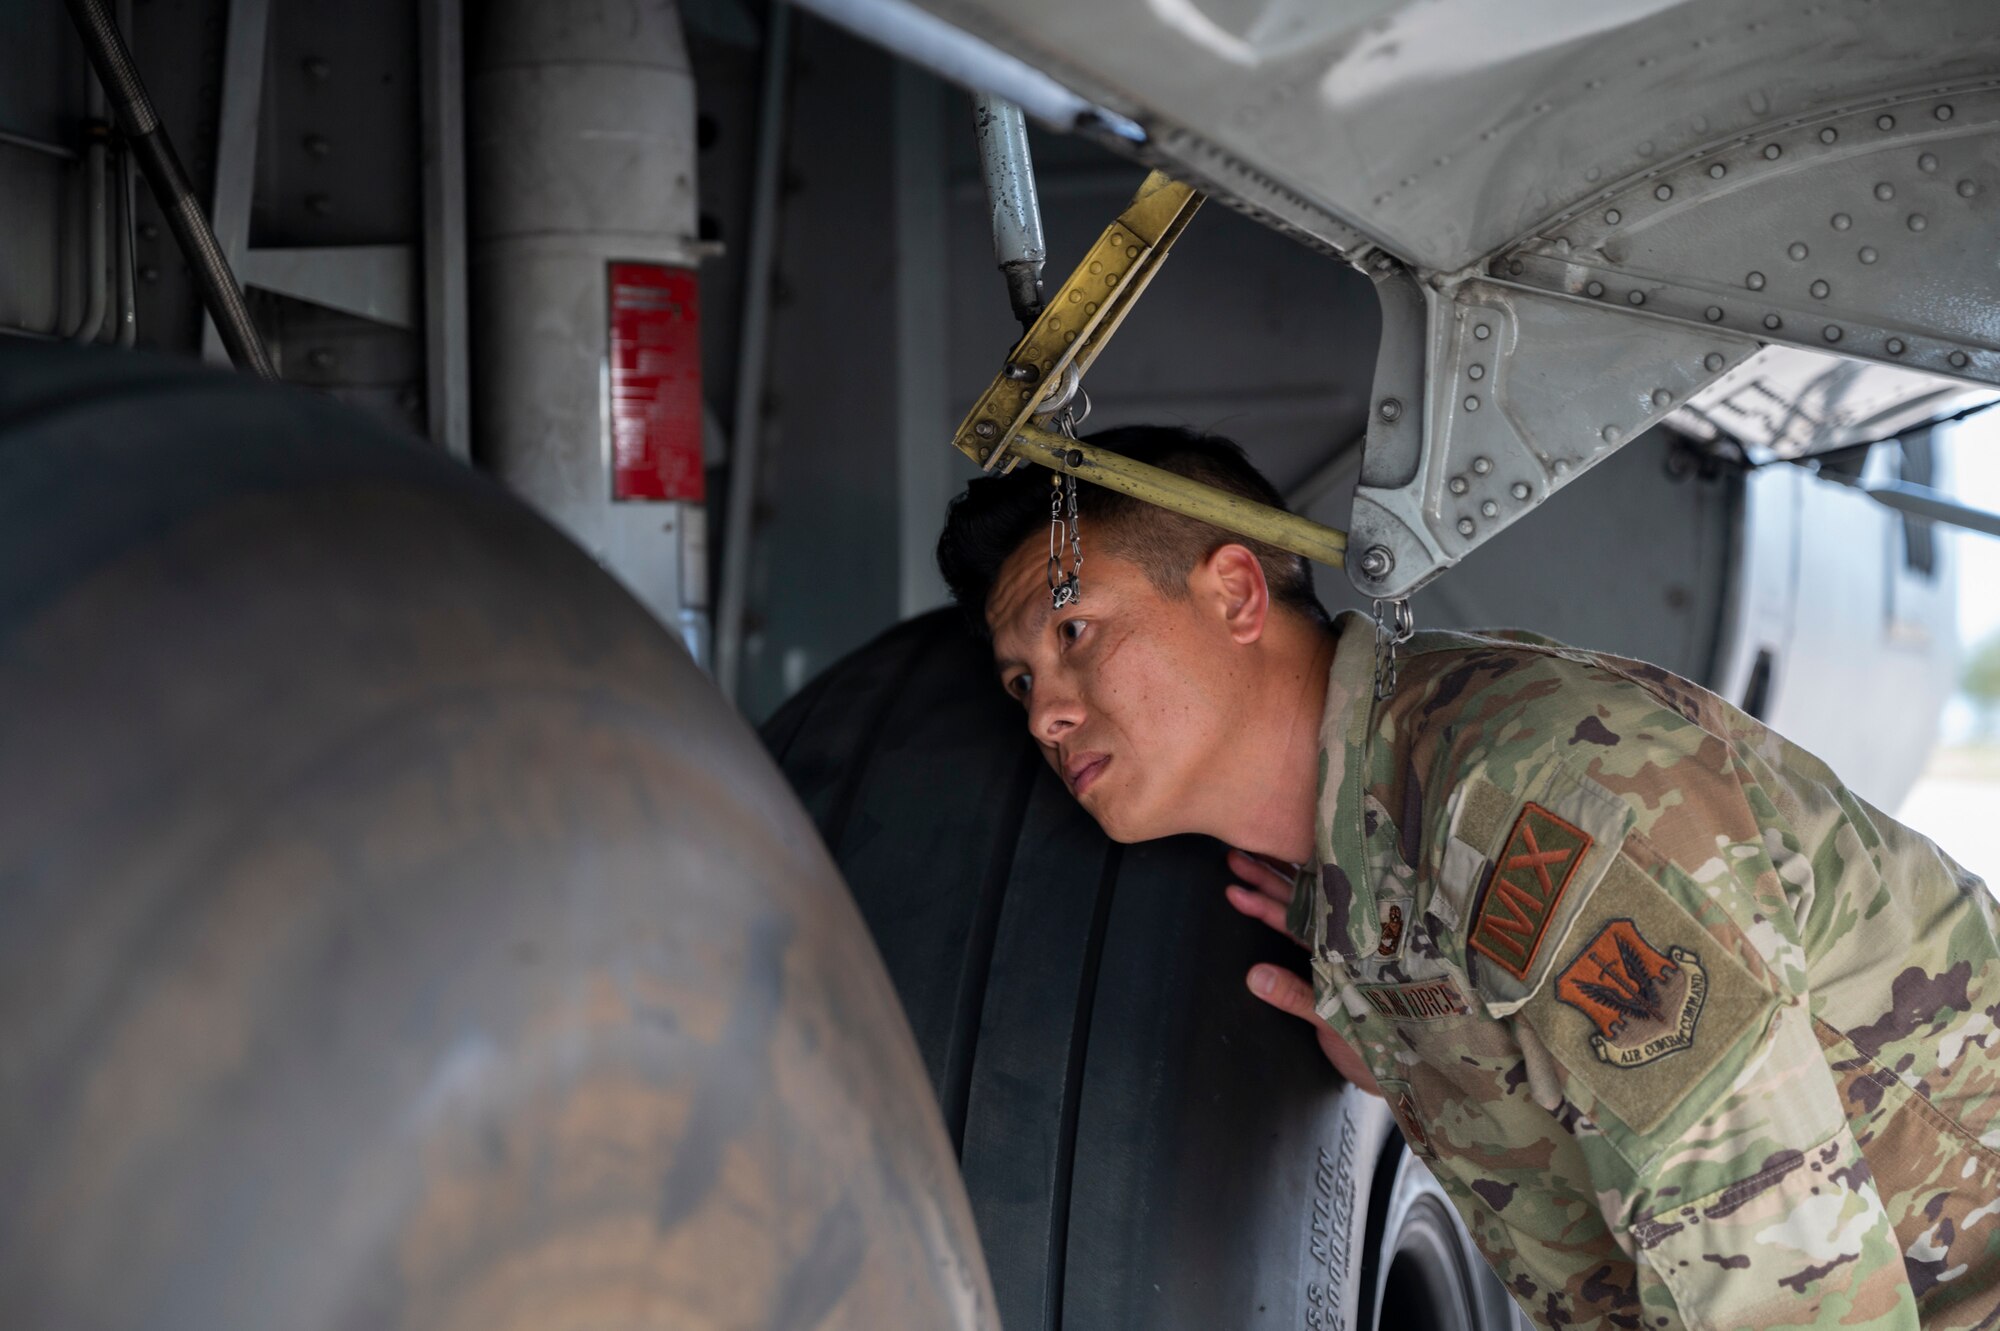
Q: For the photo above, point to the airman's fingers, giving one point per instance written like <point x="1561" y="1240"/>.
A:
<point x="1288" y="993"/>
<point x="1283" y="991"/>
<point x="1261" y="876"/>
<point x="1258" y="907"/>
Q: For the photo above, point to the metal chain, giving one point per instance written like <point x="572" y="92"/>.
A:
<point x="1062" y="589"/>
<point x="1075" y="542"/>
<point x="1394" y="625"/>
<point x="1064" y="528"/>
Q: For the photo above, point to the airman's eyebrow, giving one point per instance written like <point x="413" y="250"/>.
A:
<point x="1004" y="664"/>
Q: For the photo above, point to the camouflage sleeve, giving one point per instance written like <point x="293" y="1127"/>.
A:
<point x="1667" y="1026"/>
<point x="1514" y="1169"/>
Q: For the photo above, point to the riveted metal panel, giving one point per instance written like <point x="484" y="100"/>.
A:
<point x="1525" y="391"/>
<point x="1866" y="231"/>
<point x="1446" y="128"/>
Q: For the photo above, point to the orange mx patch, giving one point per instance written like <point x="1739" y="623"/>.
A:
<point x="1534" y="870"/>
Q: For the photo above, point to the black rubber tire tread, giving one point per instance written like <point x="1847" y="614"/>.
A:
<point x="1034" y="1030"/>
<point x="1145" y="1145"/>
<point x="858" y="692"/>
<point x="882" y="732"/>
<point x="1223" y="1171"/>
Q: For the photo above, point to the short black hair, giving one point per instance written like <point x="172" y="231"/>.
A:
<point x="997" y="514"/>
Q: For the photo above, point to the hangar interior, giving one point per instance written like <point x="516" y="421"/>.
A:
<point x="468" y="869"/>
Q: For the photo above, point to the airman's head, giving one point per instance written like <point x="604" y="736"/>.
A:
<point x="1133" y="690"/>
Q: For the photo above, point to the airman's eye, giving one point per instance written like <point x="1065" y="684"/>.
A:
<point x="1072" y="629"/>
<point x="1017" y="687"/>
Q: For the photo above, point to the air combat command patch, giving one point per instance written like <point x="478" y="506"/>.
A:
<point x="1644" y="1002"/>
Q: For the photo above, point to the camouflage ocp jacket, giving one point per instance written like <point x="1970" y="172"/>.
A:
<point x="1690" y="1034"/>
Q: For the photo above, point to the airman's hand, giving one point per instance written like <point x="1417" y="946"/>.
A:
<point x="1264" y="894"/>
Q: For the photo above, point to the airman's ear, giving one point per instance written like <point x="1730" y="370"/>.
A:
<point x="1231" y="583"/>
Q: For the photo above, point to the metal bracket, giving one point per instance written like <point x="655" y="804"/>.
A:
<point x="1488" y="399"/>
<point x="1860" y="231"/>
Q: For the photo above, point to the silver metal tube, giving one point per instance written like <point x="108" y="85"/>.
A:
<point x="127" y="317"/>
<point x="752" y="352"/>
<point x="22" y="141"/>
<point x="926" y="40"/>
<point x="1018" y="246"/>
<point x="238" y="116"/>
<point x="441" y="44"/>
<point x="96" y="159"/>
<point x="148" y="139"/>
<point x="97" y="247"/>
<point x="126" y="329"/>
<point x="1920" y="501"/>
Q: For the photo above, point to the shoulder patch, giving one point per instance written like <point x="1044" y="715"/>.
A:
<point x="1645" y="1003"/>
<point x="1645" y="1008"/>
<point x="1416" y="1000"/>
<point x="1533" y="871"/>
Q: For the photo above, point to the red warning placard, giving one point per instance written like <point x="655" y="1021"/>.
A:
<point x="655" y="380"/>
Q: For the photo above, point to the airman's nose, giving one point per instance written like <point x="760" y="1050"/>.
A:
<point x="1053" y="711"/>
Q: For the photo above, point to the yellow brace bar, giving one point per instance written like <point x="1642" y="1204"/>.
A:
<point x="1072" y="330"/>
<point x="1114" y="471"/>
<point x="1079" y="319"/>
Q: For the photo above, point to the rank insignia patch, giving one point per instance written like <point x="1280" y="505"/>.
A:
<point x="1418" y="1000"/>
<point x="1527" y="883"/>
<point x="1392" y="932"/>
<point x="1644" y="1002"/>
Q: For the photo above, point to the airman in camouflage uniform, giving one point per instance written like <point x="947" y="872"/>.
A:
<point x="1691" y="1035"/>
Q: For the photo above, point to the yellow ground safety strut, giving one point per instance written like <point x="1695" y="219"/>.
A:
<point x="1001" y="430"/>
